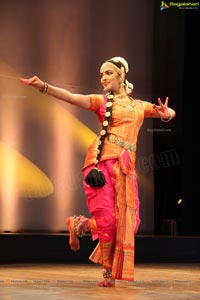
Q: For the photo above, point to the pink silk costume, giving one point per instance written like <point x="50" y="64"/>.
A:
<point x="115" y="206"/>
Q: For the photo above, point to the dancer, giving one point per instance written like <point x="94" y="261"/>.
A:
<point x="114" y="203"/>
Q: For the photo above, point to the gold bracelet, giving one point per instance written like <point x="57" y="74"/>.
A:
<point x="44" y="89"/>
<point x="167" y="120"/>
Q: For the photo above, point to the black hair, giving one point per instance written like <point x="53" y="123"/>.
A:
<point x="117" y="64"/>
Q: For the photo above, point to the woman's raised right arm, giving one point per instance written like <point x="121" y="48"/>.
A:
<point x="59" y="93"/>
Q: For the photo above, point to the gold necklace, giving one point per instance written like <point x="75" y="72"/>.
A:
<point x="120" y="96"/>
<point x="127" y="104"/>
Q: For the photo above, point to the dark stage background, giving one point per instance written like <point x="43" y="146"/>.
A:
<point x="42" y="140"/>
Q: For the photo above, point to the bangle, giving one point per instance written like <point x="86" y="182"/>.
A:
<point x="167" y="120"/>
<point x="44" y="89"/>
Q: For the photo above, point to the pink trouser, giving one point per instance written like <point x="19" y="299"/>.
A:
<point x="101" y="202"/>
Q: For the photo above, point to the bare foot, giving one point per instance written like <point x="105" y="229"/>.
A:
<point x="107" y="282"/>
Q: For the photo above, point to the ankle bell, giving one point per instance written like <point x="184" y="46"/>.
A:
<point x="107" y="273"/>
<point x="77" y="223"/>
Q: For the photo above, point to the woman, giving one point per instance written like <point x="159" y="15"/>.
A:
<point x="114" y="206"/>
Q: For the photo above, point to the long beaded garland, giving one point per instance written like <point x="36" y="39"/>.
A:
<point x="103" y="132"/>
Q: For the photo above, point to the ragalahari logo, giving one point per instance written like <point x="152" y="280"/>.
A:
<point x="179" y="5"/>
<point x="163" y="5"/>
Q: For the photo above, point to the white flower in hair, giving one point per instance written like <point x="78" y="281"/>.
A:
<point x="122" y="61"/>
<point x="129" y="87"/>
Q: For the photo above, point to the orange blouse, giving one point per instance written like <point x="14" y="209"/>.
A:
<point x="123" y="129"/>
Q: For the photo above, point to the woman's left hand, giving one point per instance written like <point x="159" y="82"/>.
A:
<point x="162" y="109"/>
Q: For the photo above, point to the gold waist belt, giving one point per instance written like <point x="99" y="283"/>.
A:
<point x="119" y="142"/>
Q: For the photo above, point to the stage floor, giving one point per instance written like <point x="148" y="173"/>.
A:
<point x="79" y="281"/>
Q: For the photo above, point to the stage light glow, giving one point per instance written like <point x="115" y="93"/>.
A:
<point x="45" y="106"/>
<point x="17" y="171"/>
<point x="179" y="201"/>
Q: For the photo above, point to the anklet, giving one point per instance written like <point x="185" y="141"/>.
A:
<point x="79" y="233"/>
<point x="107" y="273"/>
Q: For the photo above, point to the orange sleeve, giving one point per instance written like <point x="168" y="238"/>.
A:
<point x="148" y="109"/>
<point x="95" y="101"/>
